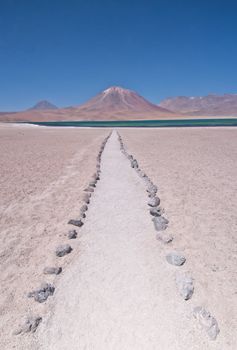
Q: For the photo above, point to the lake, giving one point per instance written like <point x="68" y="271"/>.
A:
<point x="143" y="123"/>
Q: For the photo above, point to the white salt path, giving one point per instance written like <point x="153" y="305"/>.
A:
<point x="119" y="293"/>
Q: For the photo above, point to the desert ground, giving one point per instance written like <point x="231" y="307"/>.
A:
<point x="195" y="170"/>
<point x="42" y="175"/>
<point x="117" y="291"/>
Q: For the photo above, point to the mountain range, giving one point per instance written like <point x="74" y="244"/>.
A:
<point x="210" y="105"/>
<point x="116" y="103"/>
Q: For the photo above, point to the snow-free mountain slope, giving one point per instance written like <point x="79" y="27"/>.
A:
<point x="213" y="105"/>
<point x="116" y="99"/>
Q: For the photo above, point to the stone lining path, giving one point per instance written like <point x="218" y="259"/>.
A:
<point x="120" y="292"/>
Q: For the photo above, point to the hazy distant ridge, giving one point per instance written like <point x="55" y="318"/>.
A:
<point x="213" y="105"/>
<point x="42" y="105"/>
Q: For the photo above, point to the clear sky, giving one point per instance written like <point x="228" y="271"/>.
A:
<point x="66" y="51"/>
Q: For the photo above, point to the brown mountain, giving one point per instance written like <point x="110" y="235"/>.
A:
<point x="114" y="103"/>
<point x="210" y="105"/>
<point x="117" y="99"/>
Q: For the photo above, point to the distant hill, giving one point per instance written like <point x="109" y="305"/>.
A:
<point x="210" y="105"/>
<point x="42" y="105"/>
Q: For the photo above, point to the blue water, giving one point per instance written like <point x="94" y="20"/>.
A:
<point x="143" y="123"/>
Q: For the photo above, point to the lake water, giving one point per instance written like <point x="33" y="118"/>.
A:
<point x="143" y="123"/>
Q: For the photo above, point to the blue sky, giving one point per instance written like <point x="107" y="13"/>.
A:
<point x="66" y="51"/>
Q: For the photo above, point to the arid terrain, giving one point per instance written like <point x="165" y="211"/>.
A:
<point x="195" y="170"/>
<point x="116" y="288"/>
<point x="42" y="175"/>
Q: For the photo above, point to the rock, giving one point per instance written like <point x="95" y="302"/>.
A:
<point x="72" y="234"/>
<point x="52" y="270"/>
<point x="86" y="198"/>
<point x="147" y="180"/>
<point x="175" y="258"/>
<point x="78" y="222"/>
<point x="29" y="325"/>
<point x="154" y="202"/>
<point x="164" y="237"/>
<point x="89" y="189"/>
<point x="151" y="194"/>
<point x="83" y="209"/>
<point x="152" y="189"/>
<point x="63" y="250"/>
<point x="96" y="176"/>
<point x="185" y="285"/>
<point x="155" y="211"/>
<point x="40" y="295"/>
<point x="207" y="322"/>
<point x="134" y="163"/>
<point x="88" y="194"/>
<point x="160" y="223"/>
<point x="92" y="183"/>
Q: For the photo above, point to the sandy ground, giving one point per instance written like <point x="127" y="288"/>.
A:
<point x="119" y="293"/>
<point x="42" y="175"/>
<point x="196" y="172"/>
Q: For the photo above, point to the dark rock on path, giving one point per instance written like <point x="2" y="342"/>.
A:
<point x="154" y="202"/>
<point x="84" y="208"/>
<point x="160" y="223"/>
<point x="63" y="250"/>
<point x="86" y="198"/>
<point x="52" y="270"/>
<point x="155" y="211"/>
<point x="89" y="189"/>
<point x="29" y="325"/>
<point x="134" y="163"/>
<point x="40" y="295"/>
<point x="72" y="234"/>
<point x="151" y="188"/>
<point x="78" y="222"/>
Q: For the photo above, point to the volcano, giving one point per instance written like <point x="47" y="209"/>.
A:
<point x="116" y="99"/>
